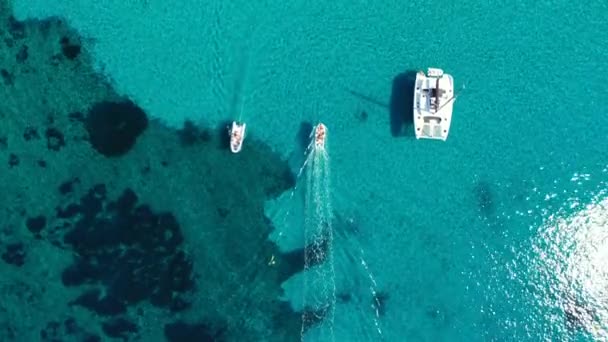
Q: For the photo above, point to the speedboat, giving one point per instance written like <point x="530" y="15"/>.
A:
<point x="237" y="135"/>
<point x="320" y="134"/>
<point x="433" y="103"/>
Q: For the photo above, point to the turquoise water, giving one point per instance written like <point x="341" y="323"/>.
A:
<point x="474" y="239"/>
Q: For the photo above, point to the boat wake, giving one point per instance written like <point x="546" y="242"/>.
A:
<point x="319" y="288"/>
<point x="378" y="297"/>
<point x="329" y="246"/>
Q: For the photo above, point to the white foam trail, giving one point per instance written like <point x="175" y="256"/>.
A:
<point x="319" y="288"/>
<point x="373" y="288"/>
<point x="310" y="153"/>
<point x="351" y="244"/>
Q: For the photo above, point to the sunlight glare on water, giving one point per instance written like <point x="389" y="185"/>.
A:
<point x="571" y="266"/>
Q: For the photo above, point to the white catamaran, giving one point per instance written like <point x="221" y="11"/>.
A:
<point x="433" y="102"/>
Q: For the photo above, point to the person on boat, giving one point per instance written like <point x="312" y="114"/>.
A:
<point x="320" y="138"/>
<point x="236" y="137"/>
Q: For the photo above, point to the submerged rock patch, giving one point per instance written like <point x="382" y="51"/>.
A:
<point x="114" y="127"/>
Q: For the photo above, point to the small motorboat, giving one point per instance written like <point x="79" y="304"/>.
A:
<point x="320" y="133"/>
<point x="237" y="135"/>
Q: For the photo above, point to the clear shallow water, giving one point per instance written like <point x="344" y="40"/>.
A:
<point x="465" y="237"/>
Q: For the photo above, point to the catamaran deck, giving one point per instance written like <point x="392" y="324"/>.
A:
<point x="433" y="104"/>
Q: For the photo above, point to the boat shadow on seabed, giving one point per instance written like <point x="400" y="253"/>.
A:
<point x="223" y="132"/>
<point x="402" y="104"/>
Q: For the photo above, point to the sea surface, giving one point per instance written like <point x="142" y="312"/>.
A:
<point x="499" y="233"/>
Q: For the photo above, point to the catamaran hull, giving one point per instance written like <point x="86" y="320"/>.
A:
<point x="433" y="104"/>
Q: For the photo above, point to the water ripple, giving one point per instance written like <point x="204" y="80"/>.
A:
<point x="569" y="267"/>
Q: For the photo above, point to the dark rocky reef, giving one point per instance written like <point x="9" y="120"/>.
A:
<point x="190" y="134"/>
<point x="13" y="160"/>
<point x="184" y="332"/>
<point x="69" y="49"/>
<point x="54" y="139"/>
<point x="14" y="254"/>
<point x="125" y="254"/>
<point x="119" y="328"/>
<point x="127" y="250"/>
<point x="58" y="330"/>
<point x="114" y="127"/>
<point x="8" y="77"/>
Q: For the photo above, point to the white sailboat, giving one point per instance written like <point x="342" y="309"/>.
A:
<point x="433" y="104"/>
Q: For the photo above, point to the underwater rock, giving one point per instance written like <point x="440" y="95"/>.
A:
<point x="343" y="297"/>
<point x="30" y="133"/>
<point x="22" y="55"/>
<point x="36" y="224"/>
<point x="103" y="306"/>
<point x="290" y="263"/>
<point x="190" y="134"/>
<point x="70" y="326"/>
<point x="69" y="50"/>
<point x="119" y="328"/>
<point x="127" y="248"/>
<point x="76" y="117"/>
<point x="70" y="211"/>
<point x="50" y="119"/>
<point x="68" y="186"/>
<point x="52" y="332"/>
<point x="13" y="160"/>
<point x="113" y="127"/>
<point x="54" y="139"/>
<point x="69" y="330"/>
<point x="14" y="254"/>
<point x="286" y="180"/>
<point x="223" y="212"/>
<point x="7" y="77"/>
<point x="16" y="28"/>
<point x="184" y="332"/>
<point x="363" y="115"/>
